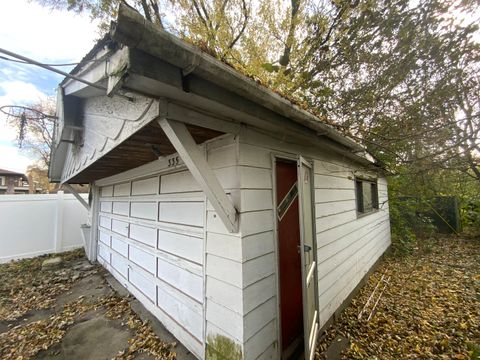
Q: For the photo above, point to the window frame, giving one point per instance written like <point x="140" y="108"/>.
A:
<point x="359" y="196"/>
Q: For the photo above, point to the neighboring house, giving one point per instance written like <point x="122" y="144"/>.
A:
<point x="240" y="220"/>
<point x="12" y="182"/>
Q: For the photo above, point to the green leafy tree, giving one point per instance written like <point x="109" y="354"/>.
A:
<point x="400" y="76"/>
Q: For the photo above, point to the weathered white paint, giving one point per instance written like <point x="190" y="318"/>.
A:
<point x="106" y="123"/>
<point x="144" y="234"/>
<point x="145" y="186"/>
<point x="185" y="145"/>
<point x="33" y="225"/>
<point x="172" y="250"/>
<point x="119" y="245"/>
<point x="151" y="238"/>
<point x="121" y="207"/>
<point x="347" y="245"/>
<point x="144" y="210"/>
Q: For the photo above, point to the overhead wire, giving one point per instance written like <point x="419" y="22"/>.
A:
<point x="50" y="68"/>
<point x="27" y="63"/>
<point x="42" y="114"/>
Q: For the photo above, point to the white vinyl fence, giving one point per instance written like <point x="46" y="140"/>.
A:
<point x="32" y="225"/>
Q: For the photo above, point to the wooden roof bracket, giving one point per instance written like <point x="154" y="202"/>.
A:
<point x="196" y="162"/>
<point x="77" y="195"/>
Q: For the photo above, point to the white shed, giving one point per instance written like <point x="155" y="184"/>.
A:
<point x="241" y="221"/>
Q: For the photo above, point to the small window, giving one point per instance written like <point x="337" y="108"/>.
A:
<point x="367" y="196"/>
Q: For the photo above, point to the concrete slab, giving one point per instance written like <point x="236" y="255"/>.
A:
<point x="94" y="338"/>
<point x="93" y="335"/>
<point x="92" y="288"/>
<point x="334" y="351"/>
<point x="31" y="316"/>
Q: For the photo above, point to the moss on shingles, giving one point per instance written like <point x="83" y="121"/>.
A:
<point x="220" y="347"/>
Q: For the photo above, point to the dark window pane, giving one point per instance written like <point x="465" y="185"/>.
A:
<point x="374" y="195"/>
<point x="359" y="193"/>
<point x="366" y="195"/>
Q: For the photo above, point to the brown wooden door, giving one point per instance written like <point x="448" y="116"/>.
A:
<point x="290" y="265"/>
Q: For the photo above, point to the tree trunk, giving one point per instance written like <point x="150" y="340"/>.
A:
<point x="10" y="185"/>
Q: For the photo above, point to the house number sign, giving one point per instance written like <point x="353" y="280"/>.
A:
<point x="173" y="161"/>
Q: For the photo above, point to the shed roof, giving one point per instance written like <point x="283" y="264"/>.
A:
<point x="193" y="78"/>
<point x="132" y="30"/>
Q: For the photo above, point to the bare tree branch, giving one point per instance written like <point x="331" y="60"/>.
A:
<point x="285" y="58"/>
<point x="158" y="17"/>
<point x="244" y="25"/>
<point x="146" y="10"/>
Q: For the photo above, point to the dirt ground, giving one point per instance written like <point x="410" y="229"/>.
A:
<point x="429" y="307"/>
<point x="71" y="311"/>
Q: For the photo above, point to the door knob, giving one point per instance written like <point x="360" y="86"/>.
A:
<point x="306" y="248"/>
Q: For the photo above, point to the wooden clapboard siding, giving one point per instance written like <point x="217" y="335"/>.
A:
<point x="258" y="244"/>
<point x="254" y="347"/>
<point x="347" y="245"/>
<point x="217" y="315"/>
<point x="240" y="282"/>
<point x="258" y="250"/>
<point x="151" y="237"/>
<point x="254" y="321"/>
<point x="162" y="239"/>
<point x="223" y="258"/>
<point x="270" y="353"/>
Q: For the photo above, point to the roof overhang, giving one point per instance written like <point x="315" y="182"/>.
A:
<point x="140" y="58"/>
<point x="132" y="30"/>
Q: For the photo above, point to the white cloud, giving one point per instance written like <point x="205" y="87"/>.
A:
<point x="19" y="92"/>
<point x="31" y="30"/>
<point x="7" y="133"/>
<point x="34" y="31"/>
<point x="11" y="159"/>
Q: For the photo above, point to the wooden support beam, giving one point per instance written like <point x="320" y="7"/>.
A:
<point x="77" y="195"/>
<point x="195" y="161"/>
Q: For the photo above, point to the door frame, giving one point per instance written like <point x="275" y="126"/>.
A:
<point x="309" y="164"/>
<point x="296" y="158"/>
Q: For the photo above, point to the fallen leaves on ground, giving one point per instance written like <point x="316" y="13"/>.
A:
<point x="429" y="310"/>
<point x="24" y="341"/>
<point x="24" y="286"/>
<point x="144" y="339"/>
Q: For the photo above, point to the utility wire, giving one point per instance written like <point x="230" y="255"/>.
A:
<point x="25" y="62"/>
<point x="25" y="108"/>
<point x="48" y="67"/>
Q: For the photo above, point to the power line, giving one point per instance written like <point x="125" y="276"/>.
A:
<point x="48" y="67"/>
<point x="25" y="62"/>
<point x="24" y="108"/>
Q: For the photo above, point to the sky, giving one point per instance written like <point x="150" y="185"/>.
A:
<point x="44" y="35"/>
